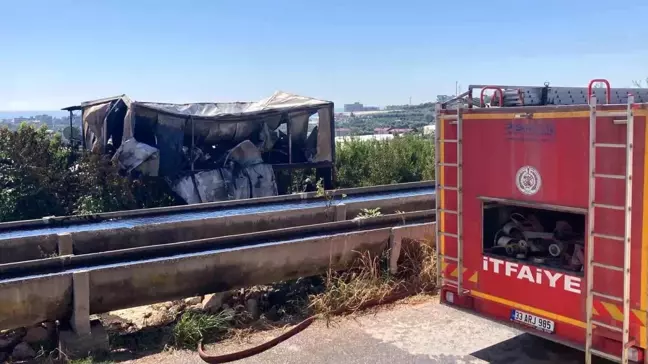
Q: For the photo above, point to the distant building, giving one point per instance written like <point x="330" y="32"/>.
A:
<point x="400" y="131"/>
<point x="355" y="107"/>
<point x="393" y="131"/>
<point x="358" y="107"/>
<point x="343" y="139"/>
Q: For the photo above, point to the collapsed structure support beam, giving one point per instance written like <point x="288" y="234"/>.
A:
<point x="326" y="174"/>
<point x="331" y="172"/>
<point x="71" y="129"/>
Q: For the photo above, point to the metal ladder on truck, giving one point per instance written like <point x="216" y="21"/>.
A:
<point x="440" y="141"/>
<point x="628" y="120"/>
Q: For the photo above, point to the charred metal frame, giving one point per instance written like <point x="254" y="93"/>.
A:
<point x="324" y="170"/>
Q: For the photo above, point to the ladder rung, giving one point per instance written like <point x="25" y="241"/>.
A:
<point x="608" y="236"/>
<point x="607" y="326"/>
<point x="604" y="355"/>
<point x="607" y="114"/>
<point x="620" y="121"/>
<point x="611" y="176"/>
<point x="448" y="140"/>
<point x="607" y="266"/>
<point x="451" y="117"/>
<point x="606" y="206"/>
<point x="454" y="212"/>
<point x="449" y="188"/>
<point x="449" y="234"/>
<point x="454" y="259"/>
<point x="448" y="164"/>
<point x="451" y="281"/>
<point x="607" y="296"/>
<point x="609" y="145"/>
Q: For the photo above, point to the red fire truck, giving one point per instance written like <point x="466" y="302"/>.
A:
<point x="542" y="193"/>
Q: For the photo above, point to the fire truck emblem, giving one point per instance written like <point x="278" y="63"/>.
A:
<point x="528" y="180"/>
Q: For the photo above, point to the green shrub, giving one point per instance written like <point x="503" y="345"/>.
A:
<point x="39" y="176"/>
<point x="407" y="158"/>
<point x="34" y="178"/>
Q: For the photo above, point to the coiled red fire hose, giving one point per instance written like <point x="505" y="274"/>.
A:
<point x="226" y="358"/>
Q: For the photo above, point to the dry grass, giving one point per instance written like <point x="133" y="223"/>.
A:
<point x="417" y="266"/>
<point x="369" y="280"/>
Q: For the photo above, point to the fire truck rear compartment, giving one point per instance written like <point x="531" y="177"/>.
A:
<point x="536" y="236"/>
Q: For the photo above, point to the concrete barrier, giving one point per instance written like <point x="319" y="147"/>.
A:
<point x="31" y="300"/>
<point x="93" y="241"/>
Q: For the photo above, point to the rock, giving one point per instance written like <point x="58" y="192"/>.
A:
<point x="121" y="326"/>
<point x="252" y="306"/>
<point x="23" y="351"/>
<point x="5" y="343"/>
<point x="213" y="302"/>
<point x="9" y="339"/>
<point x="36" y="335"/>
<point x="191" y="301"/>
<point x="194" y="308"/>
<point x="164" y="305"/>
<point x="159" y="318"/>
<point x="175" y="310"/>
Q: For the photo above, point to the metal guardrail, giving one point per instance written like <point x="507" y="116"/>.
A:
<point x="85" y="219"/>
<point x="138" y="232"/>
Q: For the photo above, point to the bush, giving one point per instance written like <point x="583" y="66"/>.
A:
<point x="407" y="158"/>
<point x="34" y="178"/>
<point x="39" y="176"/>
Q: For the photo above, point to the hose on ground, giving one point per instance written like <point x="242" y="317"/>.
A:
<point x="227" y="358"/>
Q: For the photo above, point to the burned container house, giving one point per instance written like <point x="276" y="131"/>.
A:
<point x="214" y="151"/>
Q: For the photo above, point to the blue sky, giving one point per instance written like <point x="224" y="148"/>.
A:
<point x="59" y="52"/>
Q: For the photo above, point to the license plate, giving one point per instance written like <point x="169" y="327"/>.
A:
<point x="534" y="321"/>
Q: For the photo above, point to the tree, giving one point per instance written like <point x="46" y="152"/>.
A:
<point x="71" y="134"/>
<point x="640" y="83"/>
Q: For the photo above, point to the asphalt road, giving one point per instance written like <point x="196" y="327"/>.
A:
<point x="421" y="334"/>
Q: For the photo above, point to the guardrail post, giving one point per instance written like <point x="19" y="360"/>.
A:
<point x="85" y="337"/>
<point x="340" y="212"/>
<point x="65" y="244"/>
<point x="395" y="242"/>
<point x="80" y="320"/>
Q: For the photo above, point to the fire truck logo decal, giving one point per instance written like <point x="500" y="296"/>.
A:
<point x="528" y="180"/>
<point x="531" y="130"/>
<point x="533" y="274"/>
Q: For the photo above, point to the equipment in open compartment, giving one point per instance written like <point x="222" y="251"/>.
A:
<point x="542" y="237"/>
